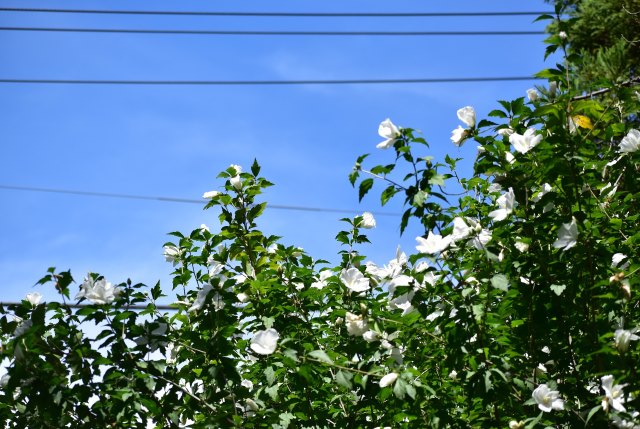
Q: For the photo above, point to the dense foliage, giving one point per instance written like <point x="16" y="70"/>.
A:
<point x="519" y="307"/>
<point x="603" y="40"/>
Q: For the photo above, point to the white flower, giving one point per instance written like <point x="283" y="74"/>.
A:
<point x="622" y="337"/>
<point x="216" y="300"/>
<point x="172" y="254"/>
<point x="614" y="396"/>
<point x="481" y="240"/>
<point x="546" y="188"/>
<point x="98" y="292"/>
<point x="506" y="203"/>
<point x="237" y="168"/>
<point x="468" y="116"/>
<point x="521" y="246"/>
<point x="523" y="143"/>
<point x="631" y="142"/>
<point x="402" y="302"/>
<point x="391" y="270"/>
<point x="388" y="379"/>
<point x="368" y="221"/>
<point x="354" y="280"/>
<point x="322" y="279"/>
<point x="460" y="229"/>
<point x="265" y="342"/>
<point x="422" y="265"/>
<point x="562" y="35"/>
<point x="430" y="279"/>
<point x="4" y="381"/>
<point x="247" y="383"/>
<point x="459" y="135"/>
<point x="567" y="235"/>
<point x="509" y="157"/>
<point x="34" y="298"/>
<point x="172" y="353"/>
<point x="210" y="194"/>
<point x="453" y="374"/>
<point x="236" y="182"/>
<point x="547" y="399"/>
<point x="356" y="324"/>
<point x="505" y="131"/>
<point x="434" y="243"/>
<point x="533" y="94"/>
<point x="514" y="424"/>
<point x="617" y="258"/>
<point x="370" y="336"/>
<point x="494" y="188"/>
<point x="388" y="131"/>
<point x="624" y="423"/>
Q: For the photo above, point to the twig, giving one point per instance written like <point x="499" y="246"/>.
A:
<point x="630" y="82"/>
<point x="206" y="404"/>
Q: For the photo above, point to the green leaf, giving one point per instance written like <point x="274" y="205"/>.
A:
<point x="343" y="378"/>
<point x="485" y="123"/>
<point x="498" y="114"/>
<point x="387" y="194"/>
<point x="500" y="281"/>
<point x="591" y="414"/>
<point x="437" y="179"/>
<point x="255" y="168"/>
<point x="488" y="385"/>
<point x="285" y="419"/>
<point x="558" y="289"/>
<point x="543" y="17"/>
<point x="272" y="392"/>
<point x="419" y="198"/>
<point x="321" y="355"/>
<point x="268" y="321"/>
<point x="270" y="374"/>
<point x="365" y="186"/>
<point x="399" y="388"/>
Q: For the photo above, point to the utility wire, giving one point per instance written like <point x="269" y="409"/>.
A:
<point x="269" y="82"/>
<point x="130" y="307"/>
<point x="273" y="33"/>
<point x="275" y="14"/>
<point x="176" y="200"/>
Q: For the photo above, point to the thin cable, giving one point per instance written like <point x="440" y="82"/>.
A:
<point x="130" y="307"/>
<point x="268" y="82"/>
<point x="273" y="33"/>
<point x="274" y="14"/>
<point x="176" y="200"/>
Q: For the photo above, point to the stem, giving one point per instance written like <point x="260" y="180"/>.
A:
<point x="206" y="404"/>
<point x="377" y="176"/>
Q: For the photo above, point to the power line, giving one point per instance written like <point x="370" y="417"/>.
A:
<point x="276" y="14"/>
<point x="270" y="82"/>
<point x="176" y="200"/>
<point x="273" y="33"/>
<point x="130" y="307"/>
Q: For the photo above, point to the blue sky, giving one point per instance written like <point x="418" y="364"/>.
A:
<point x="173" y="140"/>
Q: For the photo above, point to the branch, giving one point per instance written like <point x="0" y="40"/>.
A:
<point x="630" y="82"/>
<point x="184" y="390"/>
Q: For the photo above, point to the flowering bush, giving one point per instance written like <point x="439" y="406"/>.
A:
<point x="518" y="308"/>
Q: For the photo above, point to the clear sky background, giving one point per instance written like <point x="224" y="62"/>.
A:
<point x="171" y="141"/>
